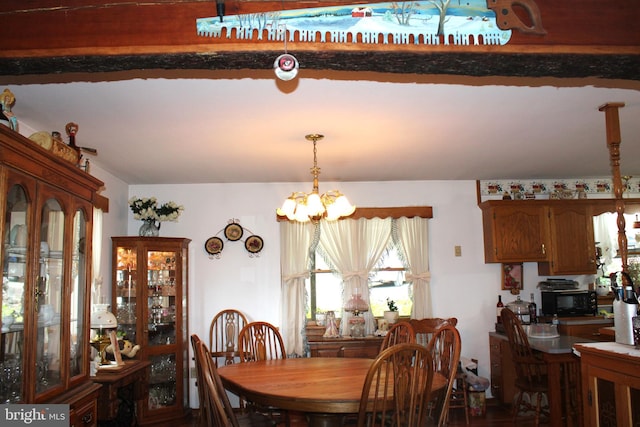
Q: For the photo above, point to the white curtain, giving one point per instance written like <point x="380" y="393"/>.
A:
<point x="353" y="247"/>
<point x="295" y="243"/>
<point x="412" y="236"/>
<point x="96" y="244"/>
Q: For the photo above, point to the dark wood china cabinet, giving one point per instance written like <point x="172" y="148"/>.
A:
<point x="47" y="212"/>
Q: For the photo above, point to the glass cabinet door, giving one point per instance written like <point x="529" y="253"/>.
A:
<point x="78" y="295"/>
<point x="161" y="309"/>
<point x="49" y="296"/>
<point x="126" y="270"/>
<point x="161" y="301"/>
<point x="14" y="276"/>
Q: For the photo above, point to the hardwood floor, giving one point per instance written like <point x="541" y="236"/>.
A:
<point x="495" y="416"/>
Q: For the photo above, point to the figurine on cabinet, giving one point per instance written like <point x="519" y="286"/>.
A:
<point x="127" y="349"/>
<point x="7" y="118"/>
<point x="332" y="327"/>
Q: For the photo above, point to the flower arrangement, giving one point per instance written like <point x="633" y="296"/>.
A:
<point x="147" y="209"/>
<point x="392" y="305"/>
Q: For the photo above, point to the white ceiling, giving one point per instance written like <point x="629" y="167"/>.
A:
<point x="246" y="126"/>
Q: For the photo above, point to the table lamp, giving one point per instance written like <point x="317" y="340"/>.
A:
<point x="102" y="320"/>
<point x="356" y="305"/>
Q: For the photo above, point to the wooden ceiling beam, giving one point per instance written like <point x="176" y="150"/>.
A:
<point x="584" y="38"/>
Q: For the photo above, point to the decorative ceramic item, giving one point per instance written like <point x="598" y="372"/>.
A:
<point x="233" y="231"/>
<point x="7" y="118"/>
<point x="391" y="317"/>
<point x="213" y="245"/>
<point x="332" y="327"/>
<point x="149" y="228"/>
<point x="254" y="244"/>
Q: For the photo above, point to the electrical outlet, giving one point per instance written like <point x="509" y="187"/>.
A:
<point x="457" y="250"/>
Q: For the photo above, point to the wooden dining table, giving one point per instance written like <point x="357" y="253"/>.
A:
<point x="324" y="388"/>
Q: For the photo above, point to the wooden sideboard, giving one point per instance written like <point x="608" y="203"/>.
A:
<point x="368" y="347"/>
<point x="122" y="386"/>
<point x="610" y="384"/>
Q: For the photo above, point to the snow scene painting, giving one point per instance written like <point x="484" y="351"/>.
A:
<point x="467" y="22"/>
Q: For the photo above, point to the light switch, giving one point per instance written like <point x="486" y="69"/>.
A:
<point x="457" y="249"/>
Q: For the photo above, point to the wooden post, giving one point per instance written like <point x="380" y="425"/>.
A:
<point x="613" y="143"/>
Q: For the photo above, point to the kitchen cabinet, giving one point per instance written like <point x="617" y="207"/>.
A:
<point x="515" y="231"/>
<point x="367" y="347"/>
<point x="503" y="371"/>
<point x="572" y="241"/>
<point x="557" y="234"/>
<point x="610" y="384"/>
<point x="47" y="212"/>
<point x="149" y="289"/>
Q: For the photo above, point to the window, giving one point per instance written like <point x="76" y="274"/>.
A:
<point x="324" y="288"/>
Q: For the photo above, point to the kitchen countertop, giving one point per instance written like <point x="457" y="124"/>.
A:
<point x="559" y="345"/>
<point x="585" y="320"/>
<point x="577" y="320"/>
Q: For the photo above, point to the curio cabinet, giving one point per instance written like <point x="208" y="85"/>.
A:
<point x="150" y="300"/>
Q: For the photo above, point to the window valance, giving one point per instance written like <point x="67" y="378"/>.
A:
<point x="388" y="212"/>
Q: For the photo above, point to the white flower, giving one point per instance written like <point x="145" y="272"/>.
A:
<point x="148" y="209"/>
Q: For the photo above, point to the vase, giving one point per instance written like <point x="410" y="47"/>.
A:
<point x="149" y="228"/>
<point x="391" y="317"/>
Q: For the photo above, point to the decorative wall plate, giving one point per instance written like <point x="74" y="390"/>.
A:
<point x="213" y="245"/>
<point x="233" y="232"/>
<point x="254" y="244"/>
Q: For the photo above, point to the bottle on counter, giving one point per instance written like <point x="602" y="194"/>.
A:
<point x="533" y="310"/>
<point x="499" y="307"/>
<point x="555" y="320"/>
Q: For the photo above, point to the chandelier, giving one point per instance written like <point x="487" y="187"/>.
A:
<point x="303" y="207"/>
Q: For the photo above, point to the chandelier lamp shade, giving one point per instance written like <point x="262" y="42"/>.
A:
<point x="313" y="206"/>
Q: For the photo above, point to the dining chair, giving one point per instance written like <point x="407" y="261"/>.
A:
<point x="425" y="330"/>
<point x="260" y="341"/>
<point x="445" y="347"/>
<point x="531" y="378"/>
<point x="215" y="407"/>
<point x="397" y="387"/>
<point x="398" y="333"/>
<point x="223" y="335"/>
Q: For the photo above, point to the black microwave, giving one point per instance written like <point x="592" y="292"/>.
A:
<point x="569" y="303"/>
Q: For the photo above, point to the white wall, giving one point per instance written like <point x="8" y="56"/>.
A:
<point x="464" y="287"/>
<point x="114" y="223"/>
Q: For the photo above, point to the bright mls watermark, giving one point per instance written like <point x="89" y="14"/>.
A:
<point x="34" y="415"/>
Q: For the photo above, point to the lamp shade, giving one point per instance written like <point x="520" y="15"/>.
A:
<point x="356" y="304"/>
<point x="103" y="320"/>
